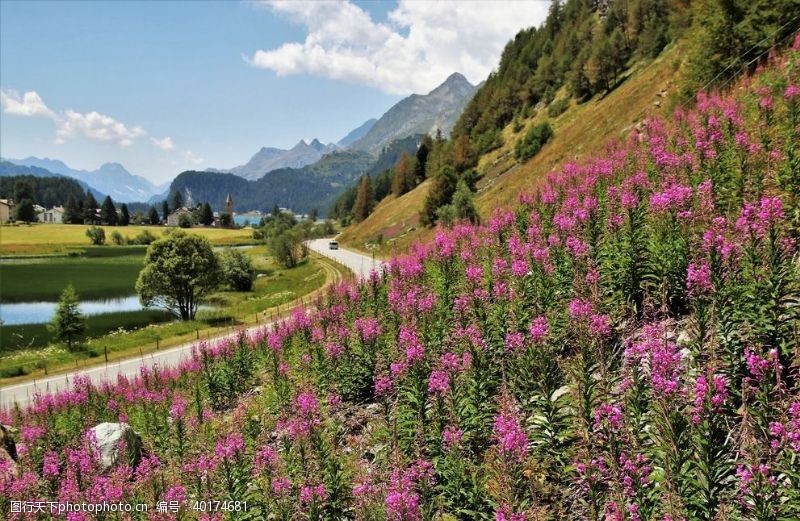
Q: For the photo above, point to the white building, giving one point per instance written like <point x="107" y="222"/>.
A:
<point x="54" y="215"/>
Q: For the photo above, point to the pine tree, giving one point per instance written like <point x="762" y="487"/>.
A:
<point x="72" y="211"/>
<point x="463" y="204"/>
<point x="403" y="180"/>
<point x="177" y="200"/>
<point x="153" y="216"/>
<point x="365" y="199"/>
<point x="108" y="212"/>
<point x="206" y="215"/>
<point x="440" y="194"/>
<point x="25" y="211"/>
<point x="422" y="159"/>
<point x="164" y="210"/>
<point x="125" y="217"/>
<point x="68" y="324"/>
<point x="89" y="207"/>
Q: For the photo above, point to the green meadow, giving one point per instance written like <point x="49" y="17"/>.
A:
<point x="105" y="272"/>
<point x="101" y="272"/>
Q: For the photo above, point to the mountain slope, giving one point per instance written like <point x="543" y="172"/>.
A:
<point x="357" y="133"/>
<point x="268" y="158"/>
<point x="420" y="114"/>
<point x="111" y="178"/>
<point x="581" y="129"/>
<point x="9" y="169"/>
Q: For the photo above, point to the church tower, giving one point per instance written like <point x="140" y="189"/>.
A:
<point x="229" y="205"/>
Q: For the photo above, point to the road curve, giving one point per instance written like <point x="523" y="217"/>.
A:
<point x="23" y="393"/>
<point x="360" y="264"/>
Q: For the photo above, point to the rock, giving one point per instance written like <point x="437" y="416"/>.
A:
<point x="8" y="450"/>
<point x="7" y="444"/>
<point x="109" y="437"/>
<point x="657" y="103"/>
<point x="373" y="409"/>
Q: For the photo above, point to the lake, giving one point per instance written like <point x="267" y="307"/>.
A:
<point x="41" y="312"/>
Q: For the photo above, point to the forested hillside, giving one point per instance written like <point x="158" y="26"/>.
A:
<point x="301" y="189"/>
<point x="44" y="191"/>
<point x="591" y="72"/>
<point x="621" y="344"/>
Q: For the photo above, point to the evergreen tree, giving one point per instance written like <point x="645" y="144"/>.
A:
<point x="89" y="207"/>
<point x="403" y="175"/>
<point x="68" y="325"/>
<point x="91" y="202"/>
<point x="177" y="200"/>
<point x="23" y="190"/>
<point x="206" y="215"/>
<point x="152" y="216"/>
<point x="25" y="212"/>
<point x="125" y="217"/>
<point x="463" y="204"/>
<point x="422" y="159"/>
<point x="108" y="212"/>
<point x="72" y="211"/>
<point x="440" y="194"/>
<point x="365" y="199"/>
<point x="164" y="210"/>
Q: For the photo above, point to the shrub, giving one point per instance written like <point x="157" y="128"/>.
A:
<point x="117" y="238"/>
<point x="533" y="141"/>
<point x="237" y="269"/>
<point x="558" y="107"/>
<point x="96" y="235"/>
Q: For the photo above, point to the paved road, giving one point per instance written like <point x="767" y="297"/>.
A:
<point x="24" y="392"/>
<point x="358" y="263"/>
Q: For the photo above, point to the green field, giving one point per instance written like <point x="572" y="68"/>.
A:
<point x="101" y="272"/>
<point x="61" y="239"/>
<point x="27" y="347"/>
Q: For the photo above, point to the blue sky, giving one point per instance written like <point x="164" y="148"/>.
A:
<point x="162" y="87"/>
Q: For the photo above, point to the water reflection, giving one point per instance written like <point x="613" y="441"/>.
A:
<point x="42" y="312"/>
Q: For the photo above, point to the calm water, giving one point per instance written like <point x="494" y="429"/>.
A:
<point x="42" y="312"/>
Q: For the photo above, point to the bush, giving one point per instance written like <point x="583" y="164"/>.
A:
<point x="533" y="141"/>
<point x="144" y="238"/>
<point x="185" y="221"/>
<point x="237" y="269"/>
<point x="97" y="235"/>
<point x="558" y="107"/>
<point x="117" y="238"/>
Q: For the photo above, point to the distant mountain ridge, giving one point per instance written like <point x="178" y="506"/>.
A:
<point x="9" y="169"/>
<point x="111" y="178"/>
<point x="357" y="133"/>
<point x="312" y="186"/>
<point x="420" y="114"/>
<point x="269" y="158"/>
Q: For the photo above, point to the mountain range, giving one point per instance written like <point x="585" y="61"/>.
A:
<point x="111" y="178"/>
<point x="269" y="158"/>
<point x="9" y="169"/>
<point x="310" y="174"/>
<point x="420" y="114"/>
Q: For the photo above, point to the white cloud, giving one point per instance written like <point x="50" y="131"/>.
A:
<point x="191" y="157"/>
<point x="29" y="105"/>
<point x="422" y="44"/>
<point x="97" y="127"/>
<point x="163" y="144"/>
<point x="71" y="124"/>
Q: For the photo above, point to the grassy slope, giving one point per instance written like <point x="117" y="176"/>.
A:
<point x="580" y="130"/>
<point x="43" y="239"/>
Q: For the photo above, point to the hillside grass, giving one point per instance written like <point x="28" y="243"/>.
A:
<point x="61" y="239"/>
<point x="582" y="129"/>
